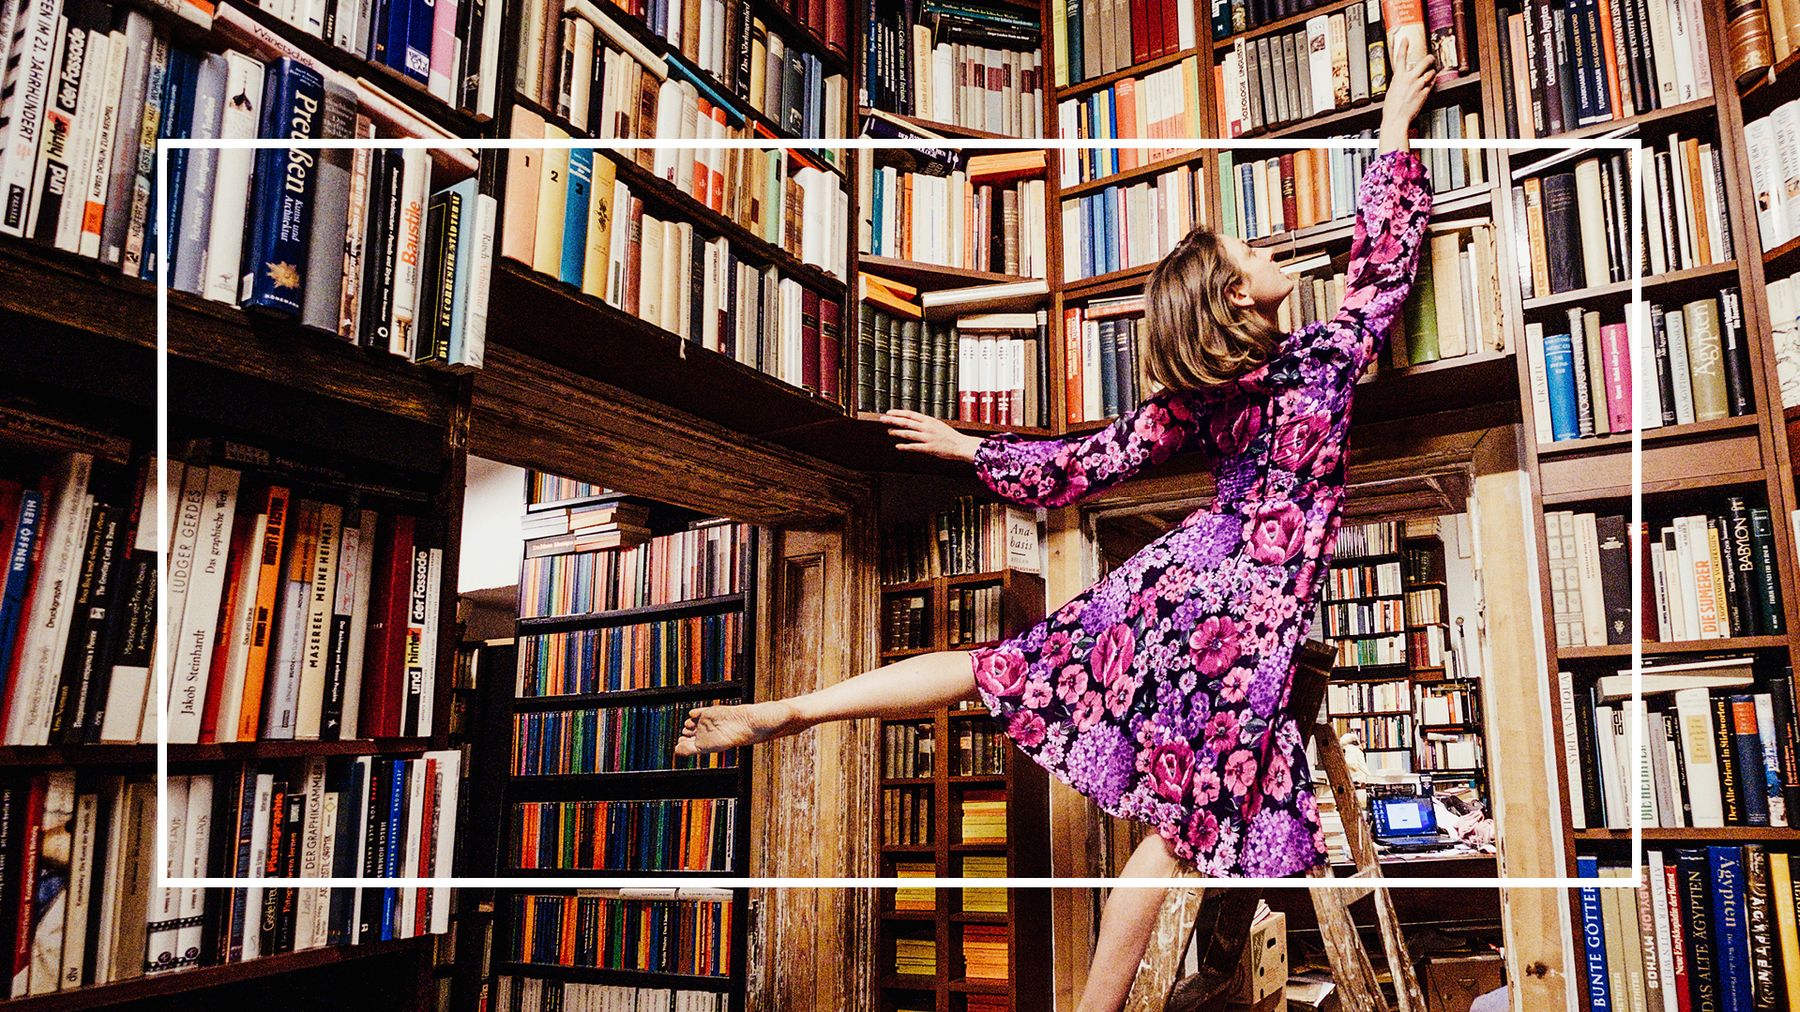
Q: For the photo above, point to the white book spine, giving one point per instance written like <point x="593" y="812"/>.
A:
<point x="414" y="189"/>
<point x="328" y="823"/>
<point x="1704" y="801"/>
<point x="315" y="659"/>
<point x="1572" y="751"/>
<point x="193" y="649"/>
<point x="22" y="108"/>
<point x="162" y="949"/>
<point x="195" y="848"/>
<point x="449" y="788"/>
<point x="44" y="628"/>
<point x="231" y="185"/>
<point x="311" y="824"/>
<point x="96" y="86"/>
<point x="80" y="890"/>
<point x="99" y="173"/>
<point x="409" y="856"/>
<point x="1771" y="771"/>
<point x="259" y="859"/>
<point x="1593" y="601"/>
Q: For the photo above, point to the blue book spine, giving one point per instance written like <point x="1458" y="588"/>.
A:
<point x="1747" y="751"/>
<point x="375" y="46"/>
<point x="1593" y="939"/>
<point x="1559" y="376"/>
<point x="468" y="193"/>
<point x="575" y="214"/>
<point x="419" y="25"/>
<point x="1109" y="369"/>
<point x="177" y="95"/>
<point x="18" y="574"/>
<point x="281" y="200"/>
<point x="1075" y="40"/>
<point x="879" y="214"/>
<point x="391" y="33"/>
<point x="1110" y="201"/>
<point x="1111" y="102"/>
<point x="396" y="838"/>
<point x="1246" y="180"/>
<point x="1090" y="233"/>
<point x="1730" y="930"/>
<point x="343" y="861"/>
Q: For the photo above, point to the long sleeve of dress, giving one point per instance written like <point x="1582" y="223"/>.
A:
<point x="1393" y="208"/>
<point x="1057" y="472"/>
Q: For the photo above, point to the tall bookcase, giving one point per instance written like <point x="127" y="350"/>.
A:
<point x="592" y="771"/>
<point x="958" y="763"/>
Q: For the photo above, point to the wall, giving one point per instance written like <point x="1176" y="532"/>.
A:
<point x="492" y="540"/>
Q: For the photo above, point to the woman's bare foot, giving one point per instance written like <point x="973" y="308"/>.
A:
<point x="717" y="728"/>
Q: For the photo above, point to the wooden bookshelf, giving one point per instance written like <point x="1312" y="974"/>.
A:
<point x="1025" y="786"/>
<point x="511" y="789"/>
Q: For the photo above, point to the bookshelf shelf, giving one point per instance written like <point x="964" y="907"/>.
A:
<point x="1291" y="21"/>
<point x="1695" y="279"/>
<point x="1478" y="197"/>
<point x="144" y="754"/>
<point x="1094" y="84"/>
<point x="553" y="322"/>
<point x="927" y="126"/>
<point x="1367" y="112"/>
<point x="1691" y="483"/>
<point x="1621" y="442"/>
<point x="1692" y="834"/>
<point x="929" y="277"/>
<point x="1131" y="175"/>
<point x="1082" y="289"/>
<point x="145" y="988"/>
<point x="1774" y="74"/>
<point x="1613" y="651"/>
<point x="631" y="616"/>
<point x="609" y="975"/>
<point x="626" y="783"/>
<point x="705" y="690"/>
<point x="1664" y="117"/>
<point x="89" y="297"/>
<point x="1781" y="256"/>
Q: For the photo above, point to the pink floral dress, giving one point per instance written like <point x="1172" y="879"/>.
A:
<point x="1160" y="692"/>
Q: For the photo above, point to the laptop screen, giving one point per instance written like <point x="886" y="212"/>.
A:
<point x="1404" y="817"/>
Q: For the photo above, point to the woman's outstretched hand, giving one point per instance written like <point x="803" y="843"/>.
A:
<point x="924" y="434"/>
<point x="1410" y="79"/>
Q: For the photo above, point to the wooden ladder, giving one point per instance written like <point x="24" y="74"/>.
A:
<point x="1222" y="916"/>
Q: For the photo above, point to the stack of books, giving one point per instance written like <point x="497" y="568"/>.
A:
<point x="915" y="899"/>
<point x="915" y="956"/>
<point x="586" y="527"/>
<point x="983" y="817"/>
<point x="985" y="951"/>
<point x="983" y="899"/>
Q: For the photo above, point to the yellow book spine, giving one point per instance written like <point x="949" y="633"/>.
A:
<point x="553" y="190"/>
<point x="596" y="264"/>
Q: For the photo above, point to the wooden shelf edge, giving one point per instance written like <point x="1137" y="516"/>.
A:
<point x="628" y="616"/>
<point x="1563" y="300"/>
<point x="1622" y="651"/>
<point x="1621" y="442"/>
<point x="1066" y="92"/>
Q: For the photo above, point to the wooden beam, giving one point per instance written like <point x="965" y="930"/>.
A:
<point x="1524" y="782"/>
<point x="533" y="414"/>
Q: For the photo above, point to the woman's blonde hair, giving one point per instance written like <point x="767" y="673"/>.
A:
<point x="1197" y="337"/>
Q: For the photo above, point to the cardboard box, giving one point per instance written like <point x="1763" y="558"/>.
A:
<point x="1264" y="971"/>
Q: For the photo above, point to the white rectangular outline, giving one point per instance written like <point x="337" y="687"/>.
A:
<point x="1631" y="145"/>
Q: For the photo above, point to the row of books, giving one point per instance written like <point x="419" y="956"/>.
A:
<point x="1164" y="103"/>
<point x="538" y="994"/>
<point x="908" y="750"/>
<point x="1712" y="926"/>
<point x="970" y="537"/>
<point x="86" y="842"/>
<point x="296" y="617"/>
<point x="906" y="816"/>
<point x="1453" y="312"/>
<point x="1093" y="38"/>
<point x="1379" y="733"/>
<point x="1448" y="703"/>
<point x="1104" y="352"/>
<point x="688" y="936"/>
<point x="1424" y="605"/>
<point x="974" y="615"/>
<point x="579" y="61"/>
<point x="1348" y="578"/>
<point x="1565" y="66"/>
<point x="987" y="368"/>
<point x="1311" y="186"/>
<point x="619" y="739"/>
<point x="1717" y="747"/>
<point x="545" y="491"/>
<point x="695" y="650"/>
<point x="980" y="750"/>
<point x="1577" y="230"/>
<point x="1776" y="20"/>
<point x="1712" y="576"/>
<point x="670" y="834"/>
<point x="1581" y="376"/>
<point x="906" y="624"/>
<point x="1428" y="646"/>
<point x="985" y="213"/>
<point x="961" y="62"/>
<point x="1343" y="698"/>
<point x="986" y="951"/>
<point x="1458" y="753"/>
<point x="1134" y="225"/>
<point x="1350" y="619"/>
<point x="452" y="49"/>
<point x="1332" y="61"/>
<point x="1377" y="652"/>
<point x="1360" y="541"/>
<point x="707" y="560"/>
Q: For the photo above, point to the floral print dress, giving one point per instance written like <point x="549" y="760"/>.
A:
<point x="1160" y="692"/>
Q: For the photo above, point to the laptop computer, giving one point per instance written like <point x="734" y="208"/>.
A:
<point x="1405" y="821"/>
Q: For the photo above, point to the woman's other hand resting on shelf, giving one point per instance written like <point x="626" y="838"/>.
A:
<point x="924" y="434"/>
<point x="1413" y="77"/>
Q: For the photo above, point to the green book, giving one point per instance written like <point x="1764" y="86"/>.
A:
<point x="1706" y="358"/>
<point x="1228" y="185"/>
<point x="1421" y="319"/>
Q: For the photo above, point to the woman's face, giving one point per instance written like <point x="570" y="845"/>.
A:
<point x="1264" y="286"/>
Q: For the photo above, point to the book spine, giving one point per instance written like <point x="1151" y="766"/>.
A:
<point x="293" y="97"/>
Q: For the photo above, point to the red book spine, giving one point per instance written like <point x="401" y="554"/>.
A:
<point x="1615" y="359"/>
<point x="830" y="347"/>
<point x="1140" y="33"/>
<point x="227" y="632"/>
<point x="1171" y="27"/>
<point x="816" y="16"/>
<point x="809" y="339"/>
<point x="427" y="850"/>
<point x="837" y="35"/>
<point x="1290" y="202"/>
<point x="28" y="857"/>
<point x="385" y="650"/>
<point x="1677" y="935"/>
<point x="1072" y="390"/>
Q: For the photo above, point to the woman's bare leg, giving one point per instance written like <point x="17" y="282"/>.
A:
<point x="906" y="688"/>
<point x="1125" y="927"/>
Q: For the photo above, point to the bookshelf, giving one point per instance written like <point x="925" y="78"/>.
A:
<point x="601" y="687"/>
<point x="963" y="758"/>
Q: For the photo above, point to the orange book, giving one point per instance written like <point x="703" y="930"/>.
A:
<point x="1690" y="153"/>
<point x="1611" y="56"/>
<point x="718" y="171"/>
<point x="1125" y="110"/>
<point x="1404" y="19"/>
<point x="268" y="586"/>
<point x="1305" y="208"/>
<point x="899" y="289"/>
<point x="1534" y="231"/>
<point x="1321" y="186"/>
<point x="1072" y="366"/>
<point x="565" y="949"/>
